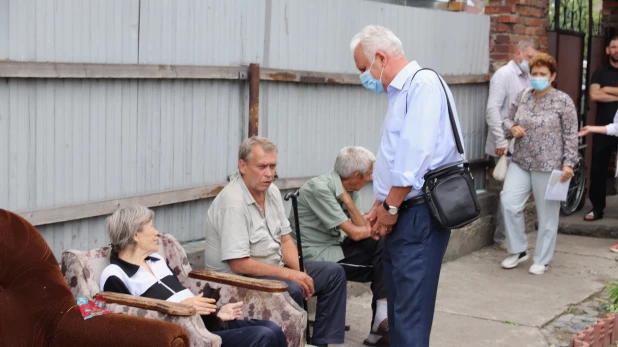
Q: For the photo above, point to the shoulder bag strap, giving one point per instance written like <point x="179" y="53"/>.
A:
<point x="450" y="111"/>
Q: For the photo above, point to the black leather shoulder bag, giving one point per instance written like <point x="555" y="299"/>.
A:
<point x="449" y="190"/>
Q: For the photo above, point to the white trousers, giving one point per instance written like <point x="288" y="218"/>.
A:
<point x="518" y="185"/>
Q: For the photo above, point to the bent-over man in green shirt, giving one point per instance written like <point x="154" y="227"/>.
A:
<point x="333" y="228"/>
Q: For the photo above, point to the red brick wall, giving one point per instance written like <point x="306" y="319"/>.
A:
<point x="511" y="22"/>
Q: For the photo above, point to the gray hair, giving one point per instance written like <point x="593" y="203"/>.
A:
<point x="123" y="224"/>
<point x="374" y="37"/>
<point x="247" y="145"/>
<point x="525" y="44"/>
<point x="353" y="159"/>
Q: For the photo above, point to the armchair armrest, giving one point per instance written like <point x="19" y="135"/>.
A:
<point x="163" y="306"/>
<point x="269" y="286"/>
<point x="111" y="330"/>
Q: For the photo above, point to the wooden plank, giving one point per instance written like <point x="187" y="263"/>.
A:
<point x="103" y="207"/>
<point x="308" y="77"/>
<point x="269" y="286"/>
<point x="349" y="79"/>
<point x="11" y="69"/>
<point x="173" y="308"/>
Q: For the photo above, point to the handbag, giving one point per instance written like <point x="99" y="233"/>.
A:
<point x="449" y="190"/>
<point x="501" y="168"/>
<point x="503" y="163"/>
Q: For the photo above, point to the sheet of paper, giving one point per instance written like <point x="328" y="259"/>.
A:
<point x="557" y="190"/>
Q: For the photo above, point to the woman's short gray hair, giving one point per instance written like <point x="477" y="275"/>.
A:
<point x="374" y="37"/>
<point x="247" y="145"/>
<point x="123" y="224"/>
<point x="353" y="159"/>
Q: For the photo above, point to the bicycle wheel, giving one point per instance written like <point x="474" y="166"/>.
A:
<point x="577" y="189"/>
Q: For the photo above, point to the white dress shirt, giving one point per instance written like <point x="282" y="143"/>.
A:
<point x="504" y="86"/>
<point x="416" y="141"/>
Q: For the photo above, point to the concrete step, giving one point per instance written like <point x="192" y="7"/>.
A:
<point x="604" y="228"/>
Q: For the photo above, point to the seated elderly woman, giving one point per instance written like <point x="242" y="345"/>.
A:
<point x="137" y="269"/>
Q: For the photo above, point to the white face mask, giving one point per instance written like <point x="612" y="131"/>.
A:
<point x="524" y="66"/>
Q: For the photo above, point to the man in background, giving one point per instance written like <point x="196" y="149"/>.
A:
<point x="504" y="86"/>
<point x="603" y="90"/>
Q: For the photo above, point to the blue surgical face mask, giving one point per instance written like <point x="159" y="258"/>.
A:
<point x="524" y="66"/>
<point x="539" y="83"/>
<point x="371" y="83"/>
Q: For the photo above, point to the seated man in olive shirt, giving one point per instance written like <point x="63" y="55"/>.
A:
<point x="329" y="205"/>
<point x="248" y="233"/>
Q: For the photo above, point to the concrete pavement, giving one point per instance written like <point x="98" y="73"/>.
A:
<point x="480" y="304"/>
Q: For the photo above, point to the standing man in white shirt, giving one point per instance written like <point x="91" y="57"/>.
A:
<point x="416" y="137"/>
<point x="504" y="86"/>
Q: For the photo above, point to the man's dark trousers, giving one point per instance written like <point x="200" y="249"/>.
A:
<point x="363" y="263"/>
<point x="602" y="147"/>
<point x="412" y="258"/>
<point x="330" y="287"/>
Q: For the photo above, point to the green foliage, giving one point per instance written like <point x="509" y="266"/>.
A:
<point x="575" y="13"/>
<point x="511" y="323"/>
<point x="612" y="290"/>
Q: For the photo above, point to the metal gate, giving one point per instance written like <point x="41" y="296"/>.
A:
<point x="567" y="46"/>
<point x="571" y="21"/>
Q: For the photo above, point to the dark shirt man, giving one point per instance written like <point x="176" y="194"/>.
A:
<point x="603" y="90"/>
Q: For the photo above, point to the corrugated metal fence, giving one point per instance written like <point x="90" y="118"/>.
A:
<point x="73" y="147"/>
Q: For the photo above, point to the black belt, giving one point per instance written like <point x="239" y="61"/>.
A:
<point x="419" y="200"/>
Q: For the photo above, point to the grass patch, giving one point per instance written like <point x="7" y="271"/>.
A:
<point x="612" y="291"/>
<point x="511" y="323"/>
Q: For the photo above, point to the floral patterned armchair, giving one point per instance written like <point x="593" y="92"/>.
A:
<point x="263" y="299"/>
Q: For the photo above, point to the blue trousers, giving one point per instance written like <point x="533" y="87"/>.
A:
<point x="412" y="258"/>
<point x="252" y="333"/>
<point x="330" y="286"/>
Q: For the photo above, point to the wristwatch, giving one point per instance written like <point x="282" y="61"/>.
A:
<point x="392" y="210"/>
